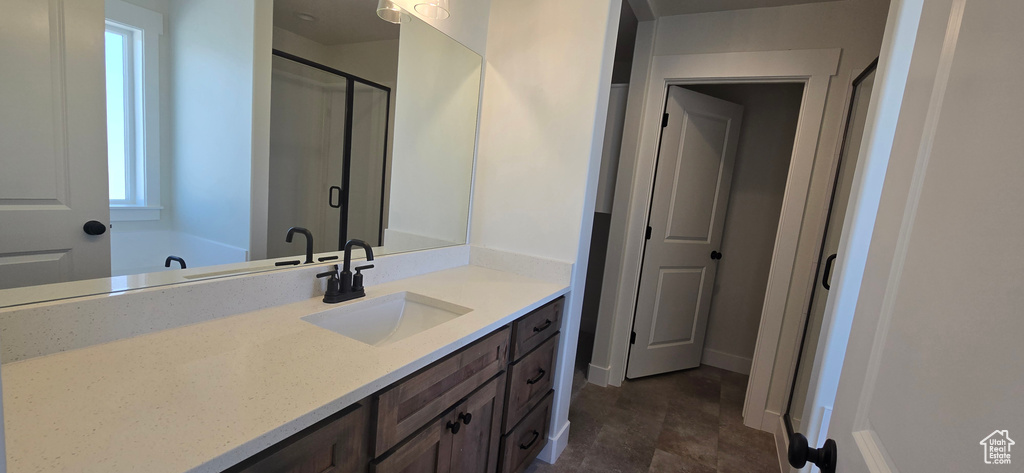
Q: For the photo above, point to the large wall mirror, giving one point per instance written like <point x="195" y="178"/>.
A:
<point x="138" y="147"/>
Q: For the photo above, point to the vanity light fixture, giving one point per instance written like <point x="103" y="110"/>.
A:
<point x="433" y="9"/>
<point x="390" y="12"/>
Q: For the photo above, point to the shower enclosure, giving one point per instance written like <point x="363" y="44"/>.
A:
<point x="329" y="155"/>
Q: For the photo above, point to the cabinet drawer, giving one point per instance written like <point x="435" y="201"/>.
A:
<point x="409" y="404"/>
<point x="520" y="446"/>
<point x="529" y="380"/>
<point x="533" y="328"/>
<point x="338" y="444"/>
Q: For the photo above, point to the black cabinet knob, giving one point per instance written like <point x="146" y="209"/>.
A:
<point x="93" y="227"/>
<point x="453" y="426"/>
<point x="466" y="418"/>
<point x="800" y="453"/>
<point x="716" y="255"/>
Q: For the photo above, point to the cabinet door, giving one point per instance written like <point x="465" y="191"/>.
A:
<point x="475" y="446"/>
<point x="429" y="451"/>
<point x="338" y="444"/>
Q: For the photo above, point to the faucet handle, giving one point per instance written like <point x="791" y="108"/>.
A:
<point x="357" y="279"/>
<point x="333" y="285"/>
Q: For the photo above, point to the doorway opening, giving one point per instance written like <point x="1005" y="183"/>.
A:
<point x="718" y="190"/>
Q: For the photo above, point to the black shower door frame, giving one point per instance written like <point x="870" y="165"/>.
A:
<point x="346" y="163"/>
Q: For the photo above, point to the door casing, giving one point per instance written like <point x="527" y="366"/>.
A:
<point x="813" y="68"/>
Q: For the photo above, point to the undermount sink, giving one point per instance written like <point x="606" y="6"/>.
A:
<point x="387" y="319"/>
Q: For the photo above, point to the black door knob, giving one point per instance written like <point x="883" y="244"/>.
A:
<point x="800" y="453"/>
<point x="93" y="227"/>
<point x="716" y="255"/>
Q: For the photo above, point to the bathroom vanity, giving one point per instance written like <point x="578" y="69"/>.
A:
<point x="484" y="408"/>
<point x="462" y="380"/>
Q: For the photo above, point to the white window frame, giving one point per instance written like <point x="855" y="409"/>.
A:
<point x="143" y="169"/>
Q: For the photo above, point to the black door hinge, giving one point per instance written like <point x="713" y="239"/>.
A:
<point x="664" y="120"/>
<point x="632" y="338"/>
<point x="647" y="236"/>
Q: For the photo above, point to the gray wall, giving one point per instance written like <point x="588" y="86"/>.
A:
<point x="759" y="181"/>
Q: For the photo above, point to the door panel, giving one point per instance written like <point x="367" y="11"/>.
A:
<point x="933" y="311"/>
<point x="698" y="180"/>
<point x="54" y="176"/>
<point x="691" y="192"/>
<point x="679" y="293"/>
<point x="475" y="447"/>
<point x="429" y="451"/>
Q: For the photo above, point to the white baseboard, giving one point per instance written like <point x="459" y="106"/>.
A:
<point x="726" y="361"/>
<point x="770" y="421"/>
<point x="598" y="375"/>
<point x="556" y="445"/>
<point x="782" y="445"/>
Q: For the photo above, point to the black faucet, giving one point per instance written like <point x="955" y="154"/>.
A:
<point x="343" y="285"/>
<point x="309" y="241"/>
<point x="180" y="260"/>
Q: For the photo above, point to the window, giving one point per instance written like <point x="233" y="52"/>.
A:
<point x="131" y="56"/>
<point x="121" y="116"/>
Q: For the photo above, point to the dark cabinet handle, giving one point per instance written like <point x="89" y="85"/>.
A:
<point x="542" y="327"/>
<point x="716" y="255"/>
<point x="524" y="446"/>
<point x="827" y="273"/>
<point x="93" y="227"/>
<point x="330" y="197"/>
<point x="453" y="426"/>
<point x="466" y="418"/>
<point x="537" y="378"/>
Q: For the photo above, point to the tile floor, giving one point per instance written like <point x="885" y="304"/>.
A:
<point x="687" y="421"/>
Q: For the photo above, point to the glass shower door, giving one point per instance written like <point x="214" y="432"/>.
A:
<point x="328" y="156"/>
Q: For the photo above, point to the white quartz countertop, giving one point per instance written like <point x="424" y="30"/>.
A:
<point x="206" y="396"/>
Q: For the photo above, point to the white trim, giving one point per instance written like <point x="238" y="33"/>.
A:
<point x="782" y="445"/>
<point x="146" y="129"/>
<point x="131" y="213"/>
<point x="598" y="375"/>
<point x="726" y="361"/>
<point x="812" y="67"/>
<point x="555" y="446"/>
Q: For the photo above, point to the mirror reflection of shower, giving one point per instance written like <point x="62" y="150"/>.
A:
<point x="329" y="155"/>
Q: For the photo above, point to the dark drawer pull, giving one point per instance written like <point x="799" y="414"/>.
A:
<point x="524" y="446"/>
<point x="544" y="326"/>
<point x="537" y="378"/>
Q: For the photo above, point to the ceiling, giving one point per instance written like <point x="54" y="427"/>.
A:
<point x="337" y="21"/>
<point x="684" y="7"/>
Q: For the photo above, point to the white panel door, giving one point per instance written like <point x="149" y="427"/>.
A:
<point x="932" y="367"/>
<point x="53" y="164"/>
<point x="691" y="192"/>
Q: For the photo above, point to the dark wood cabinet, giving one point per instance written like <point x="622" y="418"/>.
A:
<point x="529" y="379"/>
<point x="429" y="451"/>
<point x="464" y="440"/>
<point x="338" y="444"/>
<point x="526" y="440"/>
<point x="534" y="328"/>
<point x="409" y="404"/>
<point x="475" y="446"/>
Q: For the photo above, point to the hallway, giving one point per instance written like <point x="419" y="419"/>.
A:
<point x="687" y="421"/>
